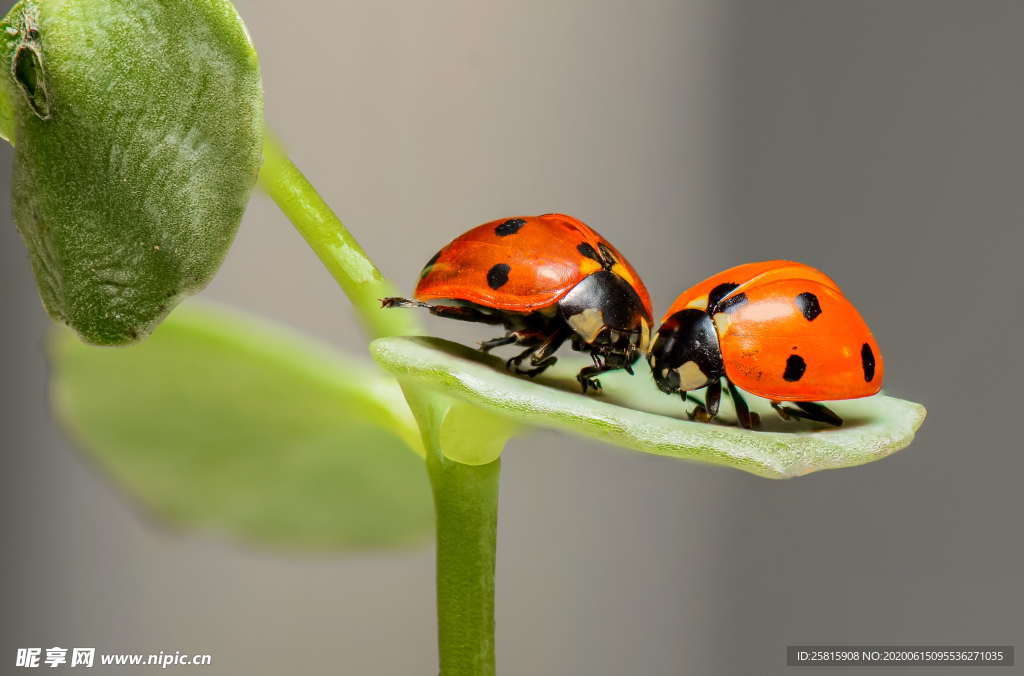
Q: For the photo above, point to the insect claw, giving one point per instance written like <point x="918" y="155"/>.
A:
<point x="699" y="414"/>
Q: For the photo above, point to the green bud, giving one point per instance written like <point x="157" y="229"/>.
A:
<point x="138" y="130"/>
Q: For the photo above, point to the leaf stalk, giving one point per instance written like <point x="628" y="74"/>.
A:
<point x="337" y="249"/>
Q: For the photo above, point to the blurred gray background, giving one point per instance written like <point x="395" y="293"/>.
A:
<point x="880" y="141"/>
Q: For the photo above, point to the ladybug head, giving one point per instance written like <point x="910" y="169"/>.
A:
<point x="608" y="317"/>
<point x="685" y="355"/>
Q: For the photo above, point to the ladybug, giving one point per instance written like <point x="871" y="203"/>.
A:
<point x="547" y="279"/>
<point x="776" y="329"/>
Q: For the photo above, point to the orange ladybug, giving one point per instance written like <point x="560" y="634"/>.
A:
<point x="777" y="329"/>
<point x="547" y="279"/>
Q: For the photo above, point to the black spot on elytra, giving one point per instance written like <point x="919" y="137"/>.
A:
<point x="497" y="276"/>
<point x="795" y="367"/>
<point x="731" y="303"/>
<point x="589" y="252"/>
<point x="867" y="360"/>
<point x="606" y="253"/>
<point x="808" y="304"/>
<point x="717" y="294"/>
<point x="509" y="227"/>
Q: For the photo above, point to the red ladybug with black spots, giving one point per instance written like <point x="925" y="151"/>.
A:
<point x="547" y="279"/>
<point x="777" y="329"/>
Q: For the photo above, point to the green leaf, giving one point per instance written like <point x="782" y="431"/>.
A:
<point x="226" y="423"/>
<point x="632" y="413"/>
<point x="139" y="137"/>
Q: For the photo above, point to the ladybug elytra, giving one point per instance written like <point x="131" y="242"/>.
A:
<point x="547" y="279"/>
<point x="777" y="329"/>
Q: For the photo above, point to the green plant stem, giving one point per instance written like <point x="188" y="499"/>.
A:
<point x="465" y="496"/>
<point x="466" y="508"/>
<point x="339" y="251"/>
<point x="466" y="504"/>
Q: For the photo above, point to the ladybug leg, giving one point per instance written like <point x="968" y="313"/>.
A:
<point x="586" y="375"/>
<point x="743" y="415"/>
<point x="808" y="410"/>
<point x="699" y="413"/>
<point x="687" y="397"/>
<point x="587" y="380"/>
<point x="466" y="314"/>
<point x="460" y="312"/>
<point x="489" y="345"/>
<point x="785" y="412"/>
<point x="713" y="398"/>
<point x="543" y="357"/>
<point x="540" y="366"/>
<point x="814" y="411"/>
<point x="538" y="360"/>
<point x="513" y="363"/>
<point x="707" y="410"/>
<point x="395" y="301"/>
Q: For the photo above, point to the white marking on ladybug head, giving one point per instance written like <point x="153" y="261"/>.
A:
<point x="691" y="377"/>
<point x="588" y="324"/>
<point x="722" y="321"/>
<point x="645" y="335"/>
